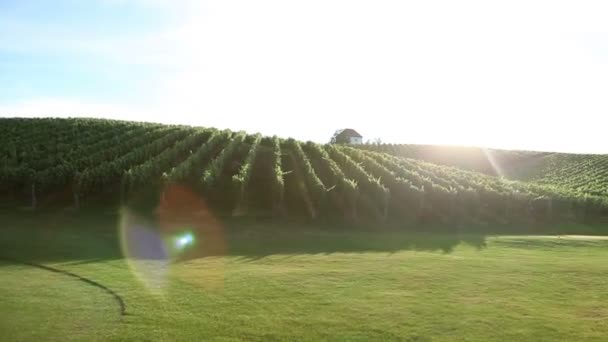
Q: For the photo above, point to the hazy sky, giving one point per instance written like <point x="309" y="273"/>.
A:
<point x="514" y="74"/>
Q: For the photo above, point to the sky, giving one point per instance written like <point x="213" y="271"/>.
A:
<point x="511" y="74"/>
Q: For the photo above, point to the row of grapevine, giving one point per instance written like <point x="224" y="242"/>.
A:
<point x="150" y="171"/>
<point x="64" y="150"/>
<point x="586" y="174"/>
<point x="278" y="183"/>
<point x="187" y="170"/>
<point x="59" y="147"/>
<point x="241" y="179"/>
<point x="60" y="175"/>
<point x="511" y="199"/>
<point x="407" y="197"/>
<point x="474" y="194"/>
<point x="343" y="191"/>
<point x="39" y="131"/>
<point x="120" y="146"/>
<point x="18" y="178"/>
<point x="314" y="187"/>
<point x="100" y="177"/>
<point x="373" y="192"/>
<point x="212" y="172"/>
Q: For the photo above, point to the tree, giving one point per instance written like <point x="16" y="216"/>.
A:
<point x="375" y="141"/>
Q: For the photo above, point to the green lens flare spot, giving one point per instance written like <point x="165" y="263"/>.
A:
<point x="184" y="240"/>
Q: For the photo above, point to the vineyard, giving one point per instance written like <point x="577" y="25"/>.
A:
<point x="489" y="161"/>
<point x="587" y="174"/>
<point x="79" y="162"/>
<point x="578" y="173"/>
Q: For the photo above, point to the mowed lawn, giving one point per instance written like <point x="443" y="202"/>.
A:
<point x="289" y="282"/>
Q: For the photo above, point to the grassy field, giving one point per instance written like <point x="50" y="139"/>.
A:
<point x="288" y="282"/>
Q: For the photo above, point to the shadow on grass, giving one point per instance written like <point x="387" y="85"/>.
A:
<point x="260" y="240"/>
<point x="59" y="236"/>
<point x="553" y="242"/>
<point x="93" y="236"/>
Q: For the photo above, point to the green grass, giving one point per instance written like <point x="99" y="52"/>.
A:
<point x="291" y="282"/>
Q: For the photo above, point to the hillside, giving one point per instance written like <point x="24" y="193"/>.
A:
<point x="578" y="172"/>
<point x="50" y="162"/>
<point x="493" y="162"/>
<point x="581" y="173"/>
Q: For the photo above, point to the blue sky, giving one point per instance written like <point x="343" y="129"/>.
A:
<point x="519" y="74"/>
<point x="63" y="48"/>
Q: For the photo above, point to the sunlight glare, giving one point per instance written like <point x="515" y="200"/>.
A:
<point x="495" y="165"/>
<point x="184" y="240"/>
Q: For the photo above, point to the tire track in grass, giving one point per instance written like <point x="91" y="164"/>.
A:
<point x="119" y="300"/>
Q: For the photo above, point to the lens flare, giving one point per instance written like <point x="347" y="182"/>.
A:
<point x="144" y="250"/>
<point x="181" y="230"/>
<point x="493" y="162"/>
<point x="184" y="240"/>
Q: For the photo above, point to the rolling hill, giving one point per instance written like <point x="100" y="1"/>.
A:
<point x="493" y="162"/>
<point x="581" y="173"/>
<point x="60" y="162"/>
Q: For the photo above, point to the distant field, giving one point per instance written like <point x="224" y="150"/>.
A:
<point x="276" y="281"/>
